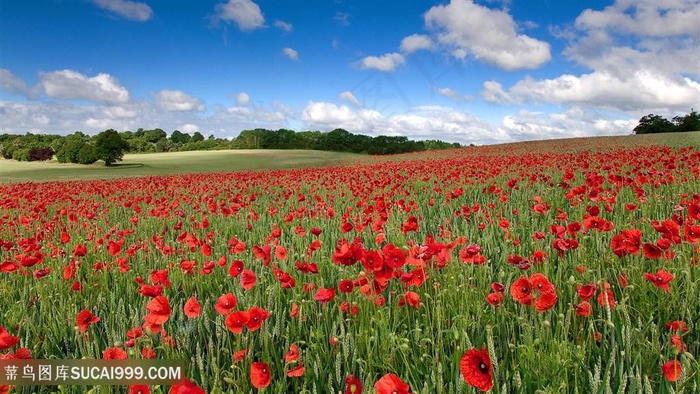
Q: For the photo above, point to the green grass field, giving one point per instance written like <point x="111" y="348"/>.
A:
<point x="148" y="164"/>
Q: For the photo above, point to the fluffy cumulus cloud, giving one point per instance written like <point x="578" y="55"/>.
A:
<point x="423" y="122"/>
<point x="574" y="122"/>
<point x="291" y="53"/>
<point x="645" y="18"/>
<point x="244" y="13"/>
<point x="126" y="9"/>
<point x="642" y="58"/>
<point x="487" y="35"/>
<point x="416" y="42"/>
<point x="69" y="84"/>
<point x="242" y="99"/>
<point x="284" y="26"/>
<point x="349" y="97"/>
<point x="176" y="100"/>
<point x="387" y="62"/>
<point x="13" y="84"/>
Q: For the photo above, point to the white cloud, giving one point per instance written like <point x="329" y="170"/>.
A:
<point x="291" y="53"/>
<point x="574" y="122"/>
<point x="242" y="99"/>
<point x="69" y="84"/>
<point x="488" y="35"/>
<point x="126" y="9"/>
<point x="642" y="57"/>
<point x="425" y="122"/>
<point x="188" y="128"/>
<point x="415" y="42"/>
<point x="452" y="94"/>
<point x="645" y="18"/>
<point x="13" y="84"/>
<point x="387" y="62"/>
<point x="286" y="27"/>
<point x="245" y="13"/>
<point x="349" y="97"/>
<point x="176" y="100"/>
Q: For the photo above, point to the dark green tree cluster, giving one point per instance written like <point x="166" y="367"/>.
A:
<point x="79" y="148"/>
<point x="28" y="147"/>
<point x="338" y="140"/>
<point x="110" y="145"/>
<point x="650" y="124"/>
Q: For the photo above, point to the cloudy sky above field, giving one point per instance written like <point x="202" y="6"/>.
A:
<point x="483" y="71"/>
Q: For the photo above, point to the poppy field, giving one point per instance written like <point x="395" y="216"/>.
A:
<point x="554" y="266"/>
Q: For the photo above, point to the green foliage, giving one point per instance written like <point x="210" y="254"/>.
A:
<point x="110" y="146"/>
<point x="197" y="136"/>
<point x="690" y="122"/>
<point x="87" y="154"/>
<point x="650" y="124"/>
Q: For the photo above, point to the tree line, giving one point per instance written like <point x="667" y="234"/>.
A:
<point x="650" y="124"/>
<point x="110" y="145"/>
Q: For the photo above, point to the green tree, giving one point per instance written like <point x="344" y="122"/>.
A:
<point x="651" y="123"/>
<point x="68" y="153"/>
<point x="179" y="137"/>
<point x="110" y="146"/>
<point x="690" y="122"/>
<point x="87" y="154"/>
<point x="197" y="136"/>
<point x="155" y="135"/>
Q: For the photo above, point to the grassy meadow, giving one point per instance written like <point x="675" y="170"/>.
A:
<point x="154" y="164"/>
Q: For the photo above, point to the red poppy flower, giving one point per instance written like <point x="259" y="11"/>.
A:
<point x="139" y="389"/>
<point x="676" y="326"/>
<point x="280" y="253"/>
<point x="192" y="308"/>
<point x="353" y="385"/>
<point x="475" y="366"/>
<point x="296" y="372"/>
<point x="236" y="268"/>
<point x="521" y="291"/>
<point x="159" y="309"/>
<point x="583" y="309"/>
<point x="248" y="279"/>
<point x="240" y="355"/>
<point x="84" y="319"/>
<point x="672" y="370"/>
<point x="235" y="321"/>
<point x="546" y="301"/>
<point x="391" y="384"/>
<point x="324" y="295"/>
<point x="292" y="354"/>
<point x="660" y="280"/>
<point x="260" y="375"/>
<point x="294" y="312"/>
<point x="494" y="298"/>
<point x="186" y="388"/>
<point x="65" y="237"/>
<point x="114" y="353"/>
<point x="225" y="303"/>
<point x="345" y="286"/>
<point x="256" y="318"/>
<point x="148" y="353"/>
<point x="540" y="283"/>
<point x="6" y="340"/>
<point x="608" y="296"/>
<point x="411" y="299"/>
<point x="586" y="292"/>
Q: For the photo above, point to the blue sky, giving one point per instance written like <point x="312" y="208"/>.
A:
<point x="480" y="72"/>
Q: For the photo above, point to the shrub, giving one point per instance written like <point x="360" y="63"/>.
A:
<point x="41" y="154"/>
<point x="87" y="154"/>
